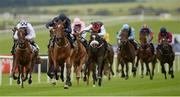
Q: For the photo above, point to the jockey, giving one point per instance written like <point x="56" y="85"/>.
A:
<point x="30" y="35"/>
<point x="131" y="35"/>
<point x="97" y="27"/>
<point x="164" y="33"/>
<point x="68" y="29"/>
<point x="79" y="25"/>
<point x="149" y="34"/>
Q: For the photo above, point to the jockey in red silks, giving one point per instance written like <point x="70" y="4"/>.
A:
<point x="164" y="33"/>
<point x="145" y="29"/>
<point x="78" y="24"/>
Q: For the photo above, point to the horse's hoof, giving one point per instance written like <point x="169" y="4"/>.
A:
<point x="50" y="75"/>
<point x="122" y="76"/>
<point x="66" y="87"/>
<point x="18" y="81"/>
<point x="126" y="77"/>
<point x="29" y="81"/>
<point x="172" y="76"/>
<point x="84" y="79"/>
<point x="151" y="78"/>
<point x="69" y="84"/>
<point x="62" y="78"/>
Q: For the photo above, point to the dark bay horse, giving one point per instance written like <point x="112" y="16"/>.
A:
<point x="24" y="58"/>
<point x="126" y="54"/>
<point x="62" y="52"/>
<point x="145" y="55"/>
<point x="165" y="54"/>
<point x="96" y="58"/>
<point x="79" y="55"/>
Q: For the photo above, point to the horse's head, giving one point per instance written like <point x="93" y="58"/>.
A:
<point x="21" y="32"/>
<point x="143" y="40"/>
<point x="165" y="45"/>
<point x="124" y="36"/>
<point x="95" y="40"/>
<point x="59" y="30"/>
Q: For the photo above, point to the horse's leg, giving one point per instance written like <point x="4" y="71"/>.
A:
<point x="56" y="67"/>
<point x="68" y="75"/>
<point x="50" y="69"/>
<point x="14" y="68"/>
<point x="148" y="70"/>
<point x="142" y="69"/>
<point x="163" y="69"/>
<point x="62" y="73"/>
<point x="171" y="69"/>
<point x="134" y="68"/>
<point x="86" y="67"/>
<point x="153" y="67"/>
<point x="94" y="75"/>
<point x="19" y="75"/>
<point x="117" y="66"/>
<point x="88" y="74"/>
<point x="122" y="70"/>
<point x="100" y="69"/>
<point x="127" y="69"/>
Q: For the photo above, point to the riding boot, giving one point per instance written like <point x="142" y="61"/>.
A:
<point x="71" y="39"/>
<point x="84" y="42"/>
<point x="134" y="43"/>
<point x="51" y="42"/>
<point x="38" y="59"/>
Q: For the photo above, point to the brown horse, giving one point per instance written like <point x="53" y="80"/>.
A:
<point x="145" y="55"/>
<point x="126" y="54"/>
<point x="62" y="52"/>
<point x="79" y="55"/>
<point x="165" y="54"/>
<point x="24" y="57"/>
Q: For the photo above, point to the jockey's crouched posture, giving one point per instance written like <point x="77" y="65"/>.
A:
<point x="67" y="28"/>
<point x="97" y="27"/>
<point x="164" y="33"/>
<point x="145" y="29"/>
<point x="78" y="27"/>
<point x="29" y="36"/>
<point x="131" y="35"/>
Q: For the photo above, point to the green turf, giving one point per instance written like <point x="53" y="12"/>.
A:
<point x="117" y="86"/>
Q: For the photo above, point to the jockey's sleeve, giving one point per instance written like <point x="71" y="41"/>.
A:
<point x="68" y="26"/>
<point x="118" y="35"/>
<point x="31" y="33"/>
<point x="15" y="36"/>
<point x="170" y="37"/>
<point x="132" y="36"/>
<point x="103" y="31"/>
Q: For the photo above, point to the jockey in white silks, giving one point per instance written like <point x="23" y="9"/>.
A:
<point x="30" y="34"/>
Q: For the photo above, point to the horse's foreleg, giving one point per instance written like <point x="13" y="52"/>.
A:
<point x="171" y="69"/>
<point x="122" y="70"/>
<point x="127" y="69"/>
<point x="62" y="73"/>
<point x="142" y="69"/>
<point x="68" y="76"/>
<point x="163" y="70"/>
<point x="50" y="69"/>
<point x="94" y="76"/>
<point x="14" y="69"/>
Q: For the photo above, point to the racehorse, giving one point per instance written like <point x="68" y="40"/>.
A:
<point x="165" y="54"/>
<point x="96" y="59"/>
<point x="145" y="55"/>
<point x="126" y="54"/>
<point x="62" y="52"/>
<point x="50" y="72"/>
<point x="24" y="58"/>
<point x="79" y="55"/>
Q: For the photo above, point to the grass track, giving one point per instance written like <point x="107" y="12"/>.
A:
<point x="117" y="86"/>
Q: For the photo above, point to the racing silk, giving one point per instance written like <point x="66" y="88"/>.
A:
<point x="101" y="32"/>
<point x="168" y="36"/>
<point x="67" y="24"/>
<point x="131" y="34"/>
<point x="30" y="32"/>
<point x="77" y="21"/>
<point x="148" y="33"/>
